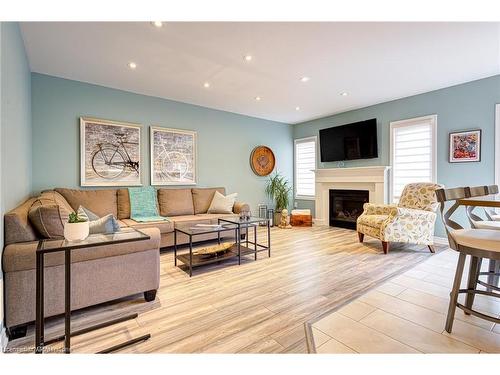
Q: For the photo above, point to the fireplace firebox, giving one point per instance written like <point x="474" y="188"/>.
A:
<point x="346" y="206"/>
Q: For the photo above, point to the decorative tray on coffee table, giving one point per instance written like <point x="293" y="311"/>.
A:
<point x="213" y="251"/>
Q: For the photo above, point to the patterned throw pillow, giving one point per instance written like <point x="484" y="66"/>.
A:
<point x="105" y="224"/>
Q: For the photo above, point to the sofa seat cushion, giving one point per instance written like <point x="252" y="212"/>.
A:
<point x="166" y="226"/>
<point x="215" y="217"/>
<point x="189" y="219"/>
<point x="122" y="224"/>
<point x="101" y="202"/>
<point x="374" y="221"/>
<point x="202" y="197"/>
<point x="175" y="202"/>
<point x="21" y="256"/>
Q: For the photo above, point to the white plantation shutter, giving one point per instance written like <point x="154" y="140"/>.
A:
<point x="305" y="163"/>
<point x="413" y="145"/>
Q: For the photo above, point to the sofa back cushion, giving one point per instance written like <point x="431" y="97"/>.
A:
<point x="17" y="225"/>
<point x="101" y="202"/>
<point x="175" y="202"/>
<point x="123" y="204"/>
<point x="202" y="197"/>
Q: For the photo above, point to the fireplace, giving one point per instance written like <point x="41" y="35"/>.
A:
<point x="346" y="206"/>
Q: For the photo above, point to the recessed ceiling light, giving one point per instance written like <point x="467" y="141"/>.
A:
<point x="304" y="79"/>
<point x="206" y="85"/>
<point x="248" y="57"/>
<point x="343" y="94"/>
<point x="258" y="98"/>
<point x="297" y="108"/>
<point x="132" y="65"/>
<point x="157" y="24"/>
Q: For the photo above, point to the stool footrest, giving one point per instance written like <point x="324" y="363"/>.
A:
<point x="478" y="314"/>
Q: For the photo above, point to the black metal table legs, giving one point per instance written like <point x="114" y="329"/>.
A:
<point x="190" y="256"/>
<point x="40" y="341"/>
<point x="175" y="248"/>
<point x="268" y="239"/>
<point x="39" y="327"/>
<point x="67" y="301"/>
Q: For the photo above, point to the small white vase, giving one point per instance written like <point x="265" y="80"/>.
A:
<point x="76" y="231"/>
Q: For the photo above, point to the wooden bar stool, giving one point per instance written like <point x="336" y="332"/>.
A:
<point x="478" y="244"/>
<point x="478" y="223"/>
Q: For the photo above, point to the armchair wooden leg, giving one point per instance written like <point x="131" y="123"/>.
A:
<point x="431" y="248"/>
<point x="385" y="246"/>
<point x="361" y="236"/>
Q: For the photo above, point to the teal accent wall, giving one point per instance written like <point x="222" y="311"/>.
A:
<point x="466" y="106"/>
<point x="15" y="125"/>
<point x="225" y="140"/>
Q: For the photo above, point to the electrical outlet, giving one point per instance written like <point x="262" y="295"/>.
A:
<point x="295" y="205"/>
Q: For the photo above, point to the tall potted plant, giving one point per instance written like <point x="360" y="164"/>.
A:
<point x="278" y="189"/>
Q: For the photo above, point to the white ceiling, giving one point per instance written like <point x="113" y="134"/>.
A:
<point x="373" y="62"/>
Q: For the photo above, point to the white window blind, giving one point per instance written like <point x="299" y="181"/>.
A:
<point x="305" y="163"/>
<point x="413" y="146"/>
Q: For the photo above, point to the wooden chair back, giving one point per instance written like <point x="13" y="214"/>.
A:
<point x="453" y="194"/>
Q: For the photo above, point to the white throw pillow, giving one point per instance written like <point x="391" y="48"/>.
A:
<point x="222" y="204"/>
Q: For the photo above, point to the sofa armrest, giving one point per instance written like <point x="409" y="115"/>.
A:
<point x="379" y="209"/>
<point x="241" y="206"/>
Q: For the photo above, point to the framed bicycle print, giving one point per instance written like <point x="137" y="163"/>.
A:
<point x="110" y="153"/>
<point x="173" y="156"/>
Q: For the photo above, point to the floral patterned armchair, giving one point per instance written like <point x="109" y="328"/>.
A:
<point x="411" y="220"/>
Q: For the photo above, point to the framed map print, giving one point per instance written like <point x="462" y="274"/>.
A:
<point x="110" y="153"/>
<point x="173" y="156"/>
<point x="465" y="146"/>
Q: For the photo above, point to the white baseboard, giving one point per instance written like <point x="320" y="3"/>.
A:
<point x="441" y="240"/>
<point x="3" y="339"/>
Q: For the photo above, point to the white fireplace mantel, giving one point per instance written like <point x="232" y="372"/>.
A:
<point x="373" y="179"/>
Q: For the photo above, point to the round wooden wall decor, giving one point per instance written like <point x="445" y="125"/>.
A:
<point x="262" y="160"/>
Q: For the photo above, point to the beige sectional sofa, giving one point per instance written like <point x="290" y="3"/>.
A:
<point x="98" y="274"/>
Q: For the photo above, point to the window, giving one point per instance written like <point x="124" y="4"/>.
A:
<point x="413" y="153"/>
<point x="305" y="163"/>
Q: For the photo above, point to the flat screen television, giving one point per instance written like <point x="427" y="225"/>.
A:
<point x="349" y="142"/>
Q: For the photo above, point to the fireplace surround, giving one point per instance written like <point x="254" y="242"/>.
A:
<point x="374" y="179"/>
<point x="346" y="206"/>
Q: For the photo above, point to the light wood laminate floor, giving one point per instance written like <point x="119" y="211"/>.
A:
<point x="407" y="315"/>
<point x="258" y="307"/>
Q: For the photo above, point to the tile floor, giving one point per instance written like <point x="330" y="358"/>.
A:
<point x="407" y="315"/>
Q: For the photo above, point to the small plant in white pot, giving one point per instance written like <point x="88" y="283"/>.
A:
<point x="76" y="229"/>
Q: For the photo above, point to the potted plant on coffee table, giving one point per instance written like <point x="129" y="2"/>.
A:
<point x="278" y="189"/>
<point x="76" y="229"/>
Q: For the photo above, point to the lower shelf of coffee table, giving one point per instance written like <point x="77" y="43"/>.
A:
<point x="199" y="260"/>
